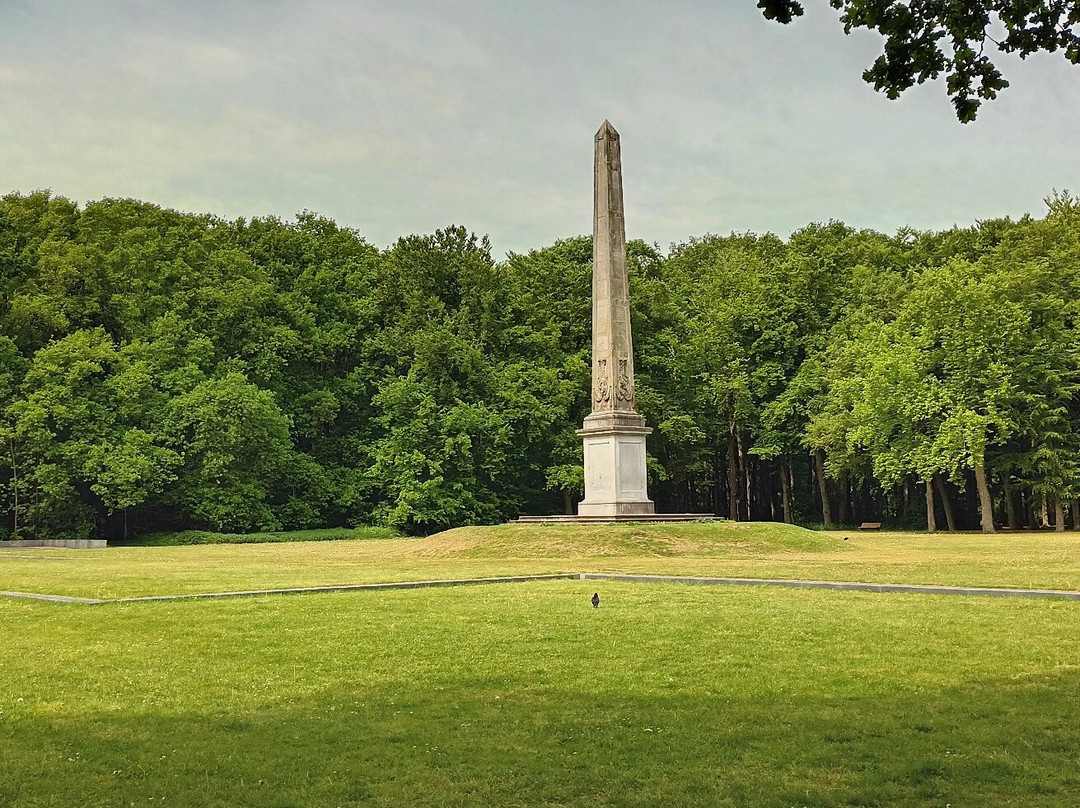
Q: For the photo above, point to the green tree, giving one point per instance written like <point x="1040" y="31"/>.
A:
<point x="64" y="412"/>
<point x="924" y="40"/>
<point x="236" y="446"/>
<point x="464" y="408"/>
<point x="549" y="295"/>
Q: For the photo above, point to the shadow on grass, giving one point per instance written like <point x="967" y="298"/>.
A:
<point x="496" y="742"/>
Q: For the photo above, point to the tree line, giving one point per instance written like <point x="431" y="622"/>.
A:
<point x="164" y="370"/>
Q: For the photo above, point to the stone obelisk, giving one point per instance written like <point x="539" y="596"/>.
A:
<point x="613" y="433"/>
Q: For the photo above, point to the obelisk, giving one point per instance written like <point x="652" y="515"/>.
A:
<point x="613" y="433"/>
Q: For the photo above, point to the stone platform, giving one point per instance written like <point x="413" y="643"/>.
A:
<point x="579" y="519"/>
<point x="67" y="544"/>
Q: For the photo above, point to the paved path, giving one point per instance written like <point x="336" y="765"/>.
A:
<point x="510" y="579"/>
<point x="305" y="590"/>
<point x="54" y="598"/>
<point x="921" y="589"/>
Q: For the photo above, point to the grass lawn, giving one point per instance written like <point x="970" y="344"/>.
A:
<point x="189" y="537"/>
<point x="524" y="695"/>
<point x="761" y="550"/>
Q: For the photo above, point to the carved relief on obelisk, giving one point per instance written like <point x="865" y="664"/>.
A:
<point x="613" y="433"/>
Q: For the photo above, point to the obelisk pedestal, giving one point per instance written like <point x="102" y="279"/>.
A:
<point x="615" y="472"/>
<point x="613" y="434"/>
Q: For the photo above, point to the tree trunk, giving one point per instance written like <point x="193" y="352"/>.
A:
<point x="744" y="467"/>
<point x="823" y="488"/>
<point x="986" y="502"/>
<point x="1010" y="505"/>
<point x="568" y="503"/>
<point x="931" y="519"/>
<point x="1059" y="514"/>
<point x="718" y="485"/>
<point x="785" y="486"/>
<point x="791" y="486"/>
<point x="732" y="479"/>
<point x="905" y="496"/>
<point x="15" y="490"/>
<point x="1075" y="515"/>
<point x="842" y="505"/>
<point x="767" y="489"/>
<point x="1044" y="513"/>
<point x="950" y="519"/>
<point x="1027" y="509"/>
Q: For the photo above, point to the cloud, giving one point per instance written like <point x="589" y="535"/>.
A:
<point x="406" y="116"/>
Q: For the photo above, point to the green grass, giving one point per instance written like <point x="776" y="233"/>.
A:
<point x="523" y="695"/>
<point x="758" y="550"/>
<point x="188" y="537"/>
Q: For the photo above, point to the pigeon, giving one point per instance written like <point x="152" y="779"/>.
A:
<point x="595" y="600"/>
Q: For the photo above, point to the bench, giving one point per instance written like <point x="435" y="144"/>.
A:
<point x="870" y="526"/>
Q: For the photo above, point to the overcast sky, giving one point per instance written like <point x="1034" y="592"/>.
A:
<point x="405" y="116"/>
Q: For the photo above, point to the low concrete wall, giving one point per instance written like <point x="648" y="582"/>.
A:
<point x="855" y="586"/>
<point x="69" y="544"/>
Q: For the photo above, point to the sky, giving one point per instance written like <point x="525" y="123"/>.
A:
<point x="405" y="116"/>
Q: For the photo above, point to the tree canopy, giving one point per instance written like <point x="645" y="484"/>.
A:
<point x="929" y="38"/>
<point x="164" y="370"/>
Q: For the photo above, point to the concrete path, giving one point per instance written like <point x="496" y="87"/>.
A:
<point x="921" y="589"/>
<point x="68" y="544"/>
<point x="857" y="586"/>
<point x="54" y="598"/>
<point x="304" y="590"/>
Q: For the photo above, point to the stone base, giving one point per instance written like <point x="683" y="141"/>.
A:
<point x="624" y="508"/>
<point x="68" y="544"/>
<point x="616" y="477"/>
<point x="580" y="519"/>
<point x="614" y="421"/>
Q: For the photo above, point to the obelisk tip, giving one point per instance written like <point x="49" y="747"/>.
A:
<point x="606" y="130"/>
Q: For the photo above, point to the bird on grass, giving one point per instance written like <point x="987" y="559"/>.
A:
<point x="595" y="600"/>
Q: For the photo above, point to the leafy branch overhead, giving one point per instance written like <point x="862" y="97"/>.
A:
<point x="927" y="38"/>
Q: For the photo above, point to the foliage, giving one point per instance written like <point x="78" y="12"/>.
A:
<point x="163" y="371"/>
<point x="925" y="39"/>
<point x="186" y="538"/>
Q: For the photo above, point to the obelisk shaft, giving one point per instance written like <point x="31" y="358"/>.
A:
<point x="613" y="350"/>
<point x="613" y="435"/>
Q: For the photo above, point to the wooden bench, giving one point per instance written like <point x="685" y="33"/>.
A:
<point x="870" y="526"/>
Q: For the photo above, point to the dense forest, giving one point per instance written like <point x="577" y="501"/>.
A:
<point x="163" y="370"/>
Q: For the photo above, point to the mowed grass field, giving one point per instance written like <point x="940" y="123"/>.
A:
<point x="523" y="694"/>
<point x="760" y="550"/>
